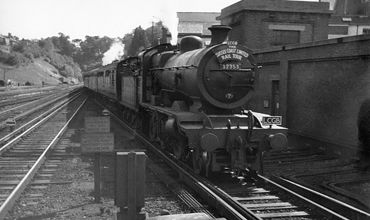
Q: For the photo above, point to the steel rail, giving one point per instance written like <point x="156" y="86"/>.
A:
<point x="232" y="208"/>
<point x="23" y="127"/>
<point x="23" y="115"/>
<point x="342" y="210"/>
<point x="16" y="193"/>
<point x="34" y="100"/>
<point x="175" y="187"/>
<point x="17" y="107"/>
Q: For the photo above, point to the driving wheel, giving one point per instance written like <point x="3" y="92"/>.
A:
<point x="199" y="161"/>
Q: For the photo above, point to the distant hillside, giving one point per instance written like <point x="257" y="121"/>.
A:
<point x="35" y="73"/>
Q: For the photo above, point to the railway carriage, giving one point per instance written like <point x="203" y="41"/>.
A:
<point x="191" y="100"/>
<point x="106" y="79"/>
<point x="90" y="80"/>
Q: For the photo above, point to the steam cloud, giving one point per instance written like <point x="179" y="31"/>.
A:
<point x="115" y="52"/>
<point x="170" y="19"/>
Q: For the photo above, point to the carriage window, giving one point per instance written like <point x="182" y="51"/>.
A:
<point x="107" y="77"/>
<point x="112" y="77"/>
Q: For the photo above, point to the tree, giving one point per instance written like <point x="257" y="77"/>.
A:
<point x="139" y="42"/>
<point x="64" y="45"/>
<point x="126" y="40"/>
<point x="76" y="42"/>
<point x="20" y="47"/>
<point x="154" y="33"/>
<point x="46" y="46"/>
<point x="91" y="51"/>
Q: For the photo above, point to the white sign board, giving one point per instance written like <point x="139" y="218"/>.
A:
<point x="272" y="120"/>
<point x="97" y="124"/>
<point x="97" y="143"/>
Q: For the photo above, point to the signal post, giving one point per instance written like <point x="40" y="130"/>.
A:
<point x="129" y="168"/>
<point x="96" y="140"/>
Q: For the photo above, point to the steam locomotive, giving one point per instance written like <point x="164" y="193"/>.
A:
<point x="191" y="99"/>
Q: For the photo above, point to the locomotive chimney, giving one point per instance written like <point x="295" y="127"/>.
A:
<point x="219" y="34"/>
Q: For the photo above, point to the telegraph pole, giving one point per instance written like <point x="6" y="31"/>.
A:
<point x="153" y="30"/>
<point x="152" y="33"/>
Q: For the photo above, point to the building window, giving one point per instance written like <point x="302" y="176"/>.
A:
<point x="366" y="31"/>
<point x="284" y="37"/>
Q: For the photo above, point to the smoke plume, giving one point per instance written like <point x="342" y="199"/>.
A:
<point x="115" y="52"/>
<point x="170" y="19"/>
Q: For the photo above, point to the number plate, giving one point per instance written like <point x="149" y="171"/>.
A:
<point x="230" y="66"/>
<point x="272" y="120"/>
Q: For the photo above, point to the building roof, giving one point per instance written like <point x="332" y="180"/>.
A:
<point x="197" y="16"/>
<point x="350" y="20"/>
<point x="352" y="7"/>
<point x="276" y="6"/>
<point x="351" y="12"/>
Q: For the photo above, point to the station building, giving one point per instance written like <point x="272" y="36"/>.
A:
<point x="278" y="22"/>
<point x="351" y="18"/>
<point x="317" y="87"/>
<point x="197" y="23"/>
<point x="262" y="24"/>
<point x="316" y="84"/>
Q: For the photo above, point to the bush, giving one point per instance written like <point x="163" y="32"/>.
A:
<point x="29" y="56"/>
<point x="17" y="59"/>
<point x="18" y="48"/>
<point x="13" y="60"/>
<point x="4" y="57"/>
<point x="63" y="73"/>
<point x="33" y="49"/>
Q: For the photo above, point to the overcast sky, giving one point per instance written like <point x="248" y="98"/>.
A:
<point x="36" y="19"/>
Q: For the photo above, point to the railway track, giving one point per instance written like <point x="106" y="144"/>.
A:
<point x="343" y="183"/>
<point x="244" y="202"/>
<point x="280" y="198"/>
<point x="167" y="175"/>
<point x="230" y="199"/>
<point x="22" y="94"/>
<point x="335" y="176"/>
<point x="24" y="153"/>
<point x="21" y="112"/>
<point x="330" y="203"/>
<point x="296" y="156"/>
<point x="176" y="187"/>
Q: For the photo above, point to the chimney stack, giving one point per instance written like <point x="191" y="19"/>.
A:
<point x="219" y="33"/>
